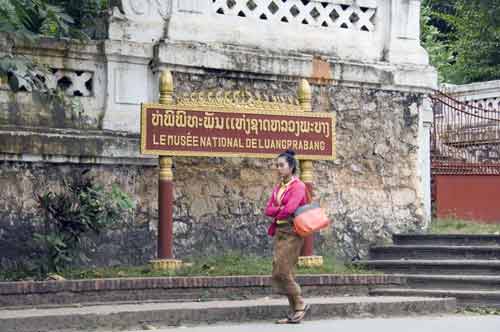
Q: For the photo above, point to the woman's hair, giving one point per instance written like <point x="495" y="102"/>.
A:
<point x="289" y="155"/>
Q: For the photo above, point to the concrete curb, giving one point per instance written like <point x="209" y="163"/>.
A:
<point x="122" y="317"/>
<point x="478" y="298"/>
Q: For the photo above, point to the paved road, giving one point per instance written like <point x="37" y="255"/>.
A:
<point x="417" y="324"/>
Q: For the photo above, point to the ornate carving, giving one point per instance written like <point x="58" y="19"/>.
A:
<point x="147" y="9"/>
<point x="163" y="7"/>
<point x="139" y="7"/>
<point x="238" y="99"/>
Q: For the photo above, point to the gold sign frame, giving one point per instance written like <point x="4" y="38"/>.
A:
<point x="274" y="109"/>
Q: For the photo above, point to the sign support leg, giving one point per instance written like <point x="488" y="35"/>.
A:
<point x="307" y="257"/>
<point x="166" y="259"/>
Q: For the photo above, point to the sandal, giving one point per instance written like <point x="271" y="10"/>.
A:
<point x="284" y="321"/>
<point x="298" y="316"/>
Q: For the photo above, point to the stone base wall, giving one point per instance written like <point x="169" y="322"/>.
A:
<point x="131" y="242"/>
<point x="371" y="191"/>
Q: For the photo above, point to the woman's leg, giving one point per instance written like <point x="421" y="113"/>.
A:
<point x="279" y="256"/>
<point x="295" y="291"/>
<point x="287" y="247"/>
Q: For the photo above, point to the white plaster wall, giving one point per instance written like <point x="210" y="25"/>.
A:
<point x="424" y="139"/>
<point x="130" y="83"/>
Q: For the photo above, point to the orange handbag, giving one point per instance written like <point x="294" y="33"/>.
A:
<point x="309" y="218"/>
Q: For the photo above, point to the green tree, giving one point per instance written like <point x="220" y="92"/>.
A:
<point x="51" y="18"/>
<point x="476" y="40"/>
<point x="440" y="55"/>
<point x="463" y="39"/>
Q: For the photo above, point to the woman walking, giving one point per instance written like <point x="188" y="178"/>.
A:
<point x="286" y="197"/>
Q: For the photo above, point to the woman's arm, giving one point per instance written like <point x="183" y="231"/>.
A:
<point x="296" y="195"/>
<point x="271" y="209"/>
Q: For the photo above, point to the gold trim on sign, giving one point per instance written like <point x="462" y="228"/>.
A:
<point x="231" y="154"/>
<point x="144" y="150"/>
<point x="239" y="99"/>
<point x="249" y="111"/>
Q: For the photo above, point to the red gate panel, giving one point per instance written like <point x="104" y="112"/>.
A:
<point x="468" y="197"/>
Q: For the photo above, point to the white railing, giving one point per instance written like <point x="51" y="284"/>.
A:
<point x="326" y="14"/>
<point x="484" y="95"/>
<point x="492" y="104"/>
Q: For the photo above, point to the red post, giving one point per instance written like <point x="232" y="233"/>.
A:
<point x="165" y="209"/>
<point x="165" y="257"/>
<point x="308" y="247"/>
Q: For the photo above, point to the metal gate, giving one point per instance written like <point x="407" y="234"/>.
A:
<point x="465" y="160"/>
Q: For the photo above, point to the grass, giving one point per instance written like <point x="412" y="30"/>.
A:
<point x="227" y="265"/>
<point x="455" y="226"/>
<point x="478" y="311"/>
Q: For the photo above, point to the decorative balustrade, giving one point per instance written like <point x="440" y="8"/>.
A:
<point x="74" y="83"/>
<point x="325" y="14"/>
<point x="486" y="103"/>
<point x="481" y="95"/>
<point x="362" y="30"/>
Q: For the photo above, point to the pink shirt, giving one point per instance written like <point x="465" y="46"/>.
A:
<point x="293" y="197"/>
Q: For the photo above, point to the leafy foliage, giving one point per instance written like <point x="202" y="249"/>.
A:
<point x="72" y="215"/>
<point x="20" y="71"/>
<point x="51" y="18"/>
<point x="463" y="39"/>
<point x="439" y="52"/>
<point x="29" y="20"/>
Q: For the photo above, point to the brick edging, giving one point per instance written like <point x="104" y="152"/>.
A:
<point x="37" y="287"/>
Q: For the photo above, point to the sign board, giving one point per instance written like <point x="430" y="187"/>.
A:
<point x="174" y="131"/>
